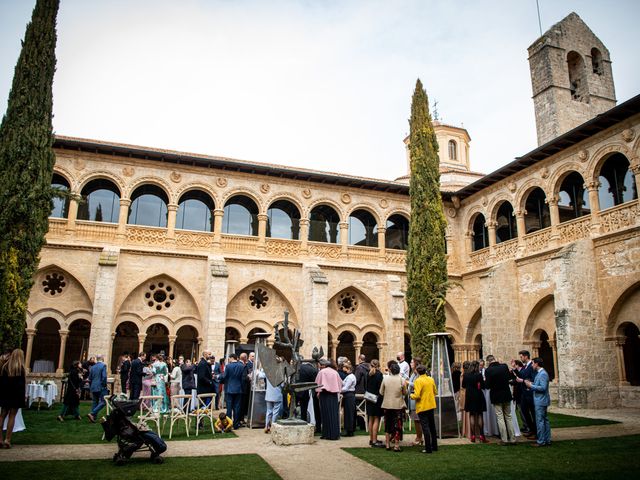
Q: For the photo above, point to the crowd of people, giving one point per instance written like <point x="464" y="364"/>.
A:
<point x="489" y="395"/>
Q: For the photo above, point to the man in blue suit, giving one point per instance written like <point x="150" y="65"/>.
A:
<point x="98" y="386"/>
<point x="541" y="401"/>
<point x="233" y="376"/>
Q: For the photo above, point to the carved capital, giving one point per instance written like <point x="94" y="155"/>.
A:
<point x="344" y="226"/>
<point x="63" y="334"/>
<point x="552" y="201"/>
<point x="172" y="338"/>
<point x="172" y="207"/>
<point x="304" y="222"/>
<point x="263" y="217"/>
<point x="358" y="344"/>
<point x="125" y="202"/>
<point x="591" y="186"/>
<point x="382" y="230"/>
<point x="492" y="224"/>
<point x="31" y="332"/>
<point x="218" y="212"/>
<point x="635" y="168"/>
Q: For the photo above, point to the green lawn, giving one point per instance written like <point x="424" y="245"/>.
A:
<point x="236" y="467"/>
<point x="605" y="458"/>
<point x="43" y="428"/>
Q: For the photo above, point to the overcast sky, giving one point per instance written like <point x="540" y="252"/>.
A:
<point x="317" y="84"/>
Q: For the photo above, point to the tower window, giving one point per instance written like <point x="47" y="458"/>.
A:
<point x="596" y="61"/>
<point x="453" y="150"/>
<point x="577" y="80"/>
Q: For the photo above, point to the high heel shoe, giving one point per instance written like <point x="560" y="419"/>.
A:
<point x="60" y="418"/>
<point x="418" y="443"/>
<point x="473" y="439"/>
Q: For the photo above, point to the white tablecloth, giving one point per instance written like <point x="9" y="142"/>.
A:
<point x="46" y="393"/>
<point x="18" y="424"/>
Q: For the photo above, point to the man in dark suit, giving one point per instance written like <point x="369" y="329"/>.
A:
<point x="526" y="406"/>
<point x="204" y="376"/>
<point x="215" y="368"/>
<point x="306" y="373"/>
<point x="497" y="380"/>
<point x="125" y="368"/>
<point x="233" y="378"/>
<point x="135" y="376"/>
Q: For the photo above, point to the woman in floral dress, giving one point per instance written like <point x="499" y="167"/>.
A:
<point x="161" y="373"/>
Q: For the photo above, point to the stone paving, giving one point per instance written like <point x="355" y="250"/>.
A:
<point x="325" y="458"/>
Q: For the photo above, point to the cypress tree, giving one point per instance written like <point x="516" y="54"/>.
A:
<point x="426" y="260"/>
<point x="26" y="163"/>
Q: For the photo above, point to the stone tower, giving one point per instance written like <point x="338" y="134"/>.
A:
<point x="571" y="78"/>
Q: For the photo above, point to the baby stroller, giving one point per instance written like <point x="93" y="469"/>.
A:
<point x="130" y="437"/>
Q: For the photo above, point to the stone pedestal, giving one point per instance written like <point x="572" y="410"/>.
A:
<point x="292" y="434"/>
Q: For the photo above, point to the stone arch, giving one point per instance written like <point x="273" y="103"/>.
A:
<point x="247" y="192"/>
<point x="600" y="156"/>
<point x="240" y="307"/>
<point x="103" y="174"/>
<point x="201" y="186"/>
<point x="366" y="313"/>
<point x="398" y="211"/>
<point x="78" y="315"/>
<point x="288" y="197"/>
<point x="136" y="303"/>
<point x="189" y="322"/>
<point x="471" y="215"/>
<point x="67" y="175"/>
<point x="236" y="325"/>
<point x="496" y="203"/>
<point x="328" y="202"/>
<point x="135" y="319"/>
<point x="525" y="189"/>
<point x="624" y="310"/>
<point x="151" y="180"/>
<point x="541" y="317"/>
<point x="366" y="206"/>
<point x="59" y="317"/>
<point x="556" y="178"/>
<point x="373" y="328"/>
<point x="453" y="325"/>
<point x="162" y="320"/>
<point x="474" y="327"/>
<point x="261" y="324"/>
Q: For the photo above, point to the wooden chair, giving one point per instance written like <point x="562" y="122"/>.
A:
<point x="361" y="409"/>
<point x="147" y="415"/>
<point x="179" y="411"/>
<point x="107" y="399"/>
<point x="203" y="411"/>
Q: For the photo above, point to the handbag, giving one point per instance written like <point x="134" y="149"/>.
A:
<point x="370" y="397"/>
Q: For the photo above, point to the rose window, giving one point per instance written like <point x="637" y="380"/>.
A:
<point x="159" y="295"/>
<point x="259" y="298"/>
<point x="347" y="302"/>
<point x="53" y="283"/>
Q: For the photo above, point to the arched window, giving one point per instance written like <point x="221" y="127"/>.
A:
<point x="283" y="220"/>
<point x="573" y="198"/>
<point x="538" y="215"/>
<point x="77" y="342"/>
<point x="60" y="204"/>
<point x="100" y="202"/>
<point x="480" y="237"/>
<point x="506" y="227"/>
<point x="186" y="342"/>
<point x="45" y="352"/>
<point x="453" y="150"/>
<point x="596" y="61"/>
<point x="397" y="235"/>
<point x="631" y="353"/>
<point x="195" y="211"/>
<point x="370" y="346"/>
<point x="240" y="216"/>
<point x="323" y="225"/>
<point x="577" y="80"/>
<point x="125" y="340"/>
<point x="157" y="339"/>
<point x="617" y="182"/>
<point x="546" y="353"/>
<point x="345" y="346"/>
<point x="148" y="206"/>
<point x="363" y="229"/>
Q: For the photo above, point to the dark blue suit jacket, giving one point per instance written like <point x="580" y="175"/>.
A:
<point x="527" y="373"/>
<point x="216" y="374"/>
<point x="233" y="376"/>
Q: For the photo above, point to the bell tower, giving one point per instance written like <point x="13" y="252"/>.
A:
<point x="571" y="78"/>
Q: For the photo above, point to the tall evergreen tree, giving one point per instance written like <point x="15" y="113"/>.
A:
<point x="426" y="260"/>
<point x="26" y="163"/>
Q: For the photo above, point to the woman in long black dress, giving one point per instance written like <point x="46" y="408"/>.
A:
<point x="374" y="409"/>
<point x="474" y="402"/>
<point x="72" y="393"/>
<point x="13" y="384"/>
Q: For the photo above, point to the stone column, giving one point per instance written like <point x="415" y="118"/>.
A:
<point x="491" y="226"/>
<point x="262" y="231"/>
<point x="244" y="340"/>
<point x="382" y="243"/>
<point x="535" y="349"/>
<point x="555" y="218"/>
<point x="64" y="334"/>
<point x="172" y="210"/>
<point x="622" y="371"/>
<point x="635" y="168"/>
<point x="358" y="348"/>
<point x="31" y="332"/>
<point x="172" y="344"/>
<point x="594" y="203"/>
<point x="334" y="349"/>
<point x="104" y="301"/>
<point x="72" y="215"/>
<point x="314" y="318"/>
<point x="554" y="350"/>
<point x="304" y="236"/>
<point x="522" y="229"/>
<point x="344" y="239"/>
<point x="123" y="217"/>
<point x="199" y="348"/>
<point x="270" y="342"/>
<point x="141" y="338"/>
<point x="214" y="322"/>
<point x="218" y="213"/>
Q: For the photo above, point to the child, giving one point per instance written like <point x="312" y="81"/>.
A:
<point x="223" y="424"/>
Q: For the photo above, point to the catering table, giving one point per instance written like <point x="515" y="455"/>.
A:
<point x="42" y="393"/>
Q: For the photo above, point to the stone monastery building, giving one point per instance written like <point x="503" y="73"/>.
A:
<point x="180" y="252"/>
